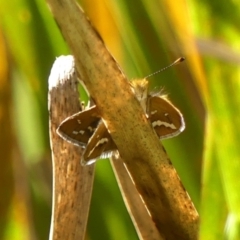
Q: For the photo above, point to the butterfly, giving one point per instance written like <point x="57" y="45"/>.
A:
<point x="86" y="129"/>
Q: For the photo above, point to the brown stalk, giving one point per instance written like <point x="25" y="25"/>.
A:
<point x="72" y="183"/>
<point x="146" y="160"/>
<point x="141" y="218"/>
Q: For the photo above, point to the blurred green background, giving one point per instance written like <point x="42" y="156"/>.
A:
<point x="143" y="36"/>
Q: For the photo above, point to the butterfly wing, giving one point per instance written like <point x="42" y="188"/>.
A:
<point x="100" y="145"/>
<point x="78" y="128"/>
<point x="166" y="120"/>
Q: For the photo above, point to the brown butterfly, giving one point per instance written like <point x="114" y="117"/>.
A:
<point x="86" y="129"/>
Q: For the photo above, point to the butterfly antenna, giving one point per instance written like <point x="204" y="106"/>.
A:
<point x="181" y="59"/>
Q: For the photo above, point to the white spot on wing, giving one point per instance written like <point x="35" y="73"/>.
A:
<point x="102" y="141"/>
<point x="81" y="132"/>
<point x="90" y="129"/>
<point x="79" y="122"/>
<point x="75" y="132"/>
<point x="165" y="124"/>
<point x="153" y="112"/>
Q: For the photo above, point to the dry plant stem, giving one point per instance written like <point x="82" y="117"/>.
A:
<point x="142" y="221"/>
<point x="154" y="176"/>
<point x="72" y="183"/>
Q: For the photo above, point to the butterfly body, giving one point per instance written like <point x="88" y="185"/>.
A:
<point x="86" y="129"/>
